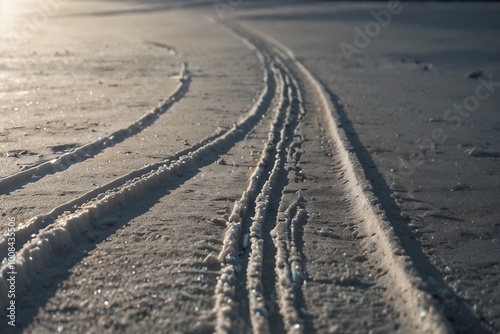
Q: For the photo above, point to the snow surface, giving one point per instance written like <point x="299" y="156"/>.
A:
<point x="211" y="166"/>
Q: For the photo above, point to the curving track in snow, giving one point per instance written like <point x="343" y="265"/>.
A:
<point x="89" y="150"/>
<point x="305" y="246"/>
<point x="45" y="236"/>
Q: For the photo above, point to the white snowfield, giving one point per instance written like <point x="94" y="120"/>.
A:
<point x="249" y="167"/>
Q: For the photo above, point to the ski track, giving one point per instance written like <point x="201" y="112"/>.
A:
<point x="89" y="150"/>
<point x="402" y="281"/>
<point x="25" y="230"/>
<point x="262" y="242"/>
<point x="44" y="237"/>
<point x="227" y="284"/>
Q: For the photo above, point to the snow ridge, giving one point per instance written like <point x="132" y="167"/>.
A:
<point x="228" y="257"/>
<point x="91" y="149"/>
<point x="257" y="301"/>
<point x="284" y="136"/>
<point x="55" y="235"/>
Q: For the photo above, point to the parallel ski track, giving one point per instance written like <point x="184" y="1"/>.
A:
<point x="240" y="233"/>
<point x="402" y="281"/>
<point x="243" y="230"/>
<point x="43" y="237"/>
